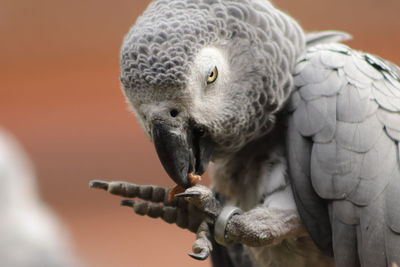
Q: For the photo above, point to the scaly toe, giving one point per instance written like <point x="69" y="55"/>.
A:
<point x="127" y="203"/>
<point x="99" y="184"/>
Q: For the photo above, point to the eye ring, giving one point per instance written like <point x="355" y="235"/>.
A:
<point x="212" y="76"/>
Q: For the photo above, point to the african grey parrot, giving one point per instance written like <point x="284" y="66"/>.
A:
<point x="302" y="132"/>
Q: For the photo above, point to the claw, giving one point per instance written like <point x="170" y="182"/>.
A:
<point x="202" y="246"/>
<point x="127" y="203"/>
<point x="189" y="194"/>
<point x="203" y="255"/>
<point x="99" y="184"/>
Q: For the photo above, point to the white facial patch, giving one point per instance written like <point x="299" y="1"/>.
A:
<point x="207" y="59"/>
<point x="207" y="98"/>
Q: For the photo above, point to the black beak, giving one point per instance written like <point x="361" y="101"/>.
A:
<point x="182" y="151"/>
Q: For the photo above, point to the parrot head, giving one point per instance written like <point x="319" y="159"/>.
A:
<point x="206" y="77"/>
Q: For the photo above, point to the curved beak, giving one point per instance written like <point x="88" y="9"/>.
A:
<point x="181" y="151"/>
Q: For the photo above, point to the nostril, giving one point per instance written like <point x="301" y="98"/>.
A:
<point x="174" y="113"/>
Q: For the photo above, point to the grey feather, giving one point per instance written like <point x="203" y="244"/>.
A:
<point x="294" y="101"/>
<point x="392" y="208"/>
<point x="311" y="116"/>
<point x="389" y="119"/>
<point x="314" y="38"/>
<point x="331" y="168"/>
<point x="392" y="86"/>
<point x="346" y="212"/>
<point x="371" y="234"/>
<point x="368" y="189"/>
<point x="332" y="60"/>
<point x="354" y="74"/>
<point x="384" y="100"/>
<point x="328" y="131"/>
<point x="392" y="200"/>
<point x="359" y="137"/>
<point x="358" y="171"/>
<point x="395" y="134"/>
<point x="302" y="63"/>
<point x="307" y="75"/>
<point x="312" y="209"/>
<point x="366" y="69"/>
<point x="328" y="87"/>
<point x="345" y="242"/>
<point x="353" y="107"/>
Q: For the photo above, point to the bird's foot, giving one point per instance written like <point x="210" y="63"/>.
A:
<point x="203" y="198"/>
<point x="192" y="209"/>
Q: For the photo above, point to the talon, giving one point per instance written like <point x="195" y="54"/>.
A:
<point x="127" y="203"/>
<point x="189" y="194"/>
<point x="203" y="255"/>
<point x="98" y="184"/>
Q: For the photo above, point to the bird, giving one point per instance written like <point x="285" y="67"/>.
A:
<point x="299" y="132"/>
<point x="32" y="235"/>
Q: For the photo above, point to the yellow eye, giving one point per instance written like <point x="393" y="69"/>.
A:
<point x="212" y="77"/>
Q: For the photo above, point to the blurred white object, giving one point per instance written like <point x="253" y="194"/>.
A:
<point x="30" y="234"/>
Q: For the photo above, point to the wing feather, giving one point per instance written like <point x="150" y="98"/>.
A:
<point x="311" y="116"/>
<point x="327" y="87"/>
<point x="332" y="61"/>
<point x="354" y="74"/>
<point x="306" y="76"/>
<point x="328" y="130"/>
<point x="372" y="250"/>
<point x="353" y="104"/>
<point x="392" y="207"/>
<point x="334" y="166"/>
<point x="343" y="150"/>
<point x="389" y="119"/>
<point x="359" y="137"/>
<point x="366" y="69"/>
<point x="313" y="38"/>
<point x="393" y="133"/>
<point x="310" y="205"/>
<point x="346" y="254"/>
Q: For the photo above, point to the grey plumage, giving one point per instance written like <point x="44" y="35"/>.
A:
<point x="314" y="38"/>
<point x="357" y="167"/>
<point x="226" y="81"/>
<point x="159" y="50"/>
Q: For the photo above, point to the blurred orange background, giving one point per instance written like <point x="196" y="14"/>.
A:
<point x="59" y="94"/>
